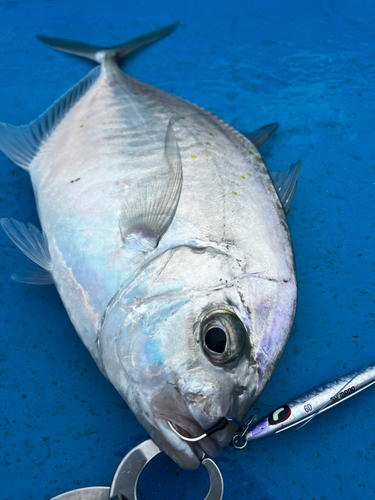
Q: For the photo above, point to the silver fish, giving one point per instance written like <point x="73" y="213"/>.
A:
<point x="167" y="240"/>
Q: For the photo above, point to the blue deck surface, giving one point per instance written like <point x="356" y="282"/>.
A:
<point x="311" y="67"/>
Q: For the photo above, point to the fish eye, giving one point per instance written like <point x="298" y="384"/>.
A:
<point x="222" y="336"/>
<point x="216" y="340"/>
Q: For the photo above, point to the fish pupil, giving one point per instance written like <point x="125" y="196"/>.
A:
<point x="216" y="340"/>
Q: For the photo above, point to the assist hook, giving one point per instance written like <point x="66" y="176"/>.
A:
<point x="219" y="426"/>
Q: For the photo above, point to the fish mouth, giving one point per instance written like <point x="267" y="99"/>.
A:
<point x="187" y="454"/>
<point x="190" y="429"/>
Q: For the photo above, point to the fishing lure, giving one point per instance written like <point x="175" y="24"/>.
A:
<point x="304" y="408"/>
<point x="300" y="410"/>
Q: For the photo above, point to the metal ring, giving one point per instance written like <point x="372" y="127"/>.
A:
<point x="126" y="477"/>
<point x="236" y="439"/>
<point x="90" y="493"/>
<point x="242" y="435"/>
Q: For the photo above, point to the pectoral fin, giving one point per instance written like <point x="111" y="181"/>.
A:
<point x="149" y="211"/>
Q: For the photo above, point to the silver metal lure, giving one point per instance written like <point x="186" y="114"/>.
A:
<point x="309" y="404"/>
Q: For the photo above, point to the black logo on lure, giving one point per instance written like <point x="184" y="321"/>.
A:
<point x="343" y="394"/>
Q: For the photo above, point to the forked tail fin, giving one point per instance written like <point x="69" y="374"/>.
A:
<point x="22" y="144"/>
<point x="97" y="53"/>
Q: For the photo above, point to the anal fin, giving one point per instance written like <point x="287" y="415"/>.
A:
<point x="259" y="136"/>
<point x="33" y="243"/>
<point x="150" y="210"/>
<point x="286" y="184"/>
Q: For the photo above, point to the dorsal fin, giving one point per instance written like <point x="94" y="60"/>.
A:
<point x="32" y="274"/>
<point x="33" y="243"/>
<point x="150" y="210"/>
<point x="22" y="144"/>
<point x="30" y="240"/>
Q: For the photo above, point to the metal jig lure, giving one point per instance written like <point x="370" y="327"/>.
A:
<point x="308" y="405"/>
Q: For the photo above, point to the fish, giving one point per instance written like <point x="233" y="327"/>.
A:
<point x="167" y="240"/>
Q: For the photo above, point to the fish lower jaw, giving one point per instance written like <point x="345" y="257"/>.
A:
<point x="169" y="407"/>
<point x="187" y="454"/>
<point x="182" y="452"/>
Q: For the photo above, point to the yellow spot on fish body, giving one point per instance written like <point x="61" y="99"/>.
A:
<point x="211" y="134"/>
<point x="242" y="176"/>
<point x="136" y="93"/>
<point x="234" y="192"/>
<point x="80" y="126"/>
<point x="251" y="152"/>
<point x="248" y="174"/>
<point x="194" y="157"/>
<point x="208" y="143"/>
<point x="268" y="189"/>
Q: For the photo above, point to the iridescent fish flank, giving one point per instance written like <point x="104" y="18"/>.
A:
<point x="167" y="240"/>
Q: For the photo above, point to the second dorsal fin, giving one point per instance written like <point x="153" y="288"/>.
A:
<point x="22" y="144"/>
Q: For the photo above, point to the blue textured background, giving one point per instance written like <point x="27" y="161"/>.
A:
<point x="307" y="65"/>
